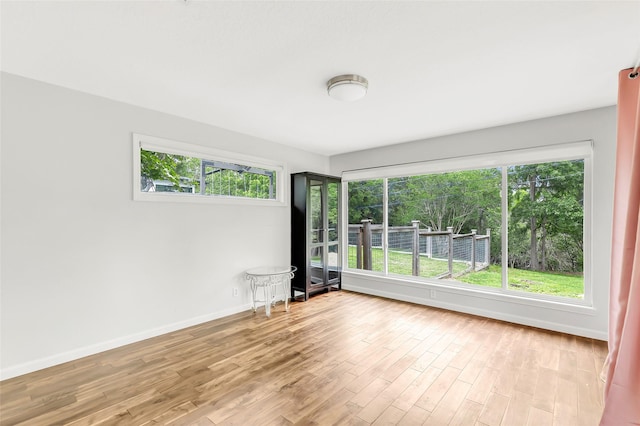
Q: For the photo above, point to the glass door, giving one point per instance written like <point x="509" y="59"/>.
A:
<point x="316" y="228"/>
<point x="333" y="231"/>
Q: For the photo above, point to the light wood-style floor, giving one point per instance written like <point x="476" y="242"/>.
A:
<point x="340" y="358"/>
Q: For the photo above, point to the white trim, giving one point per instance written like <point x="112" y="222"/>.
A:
<point x="530" y="299"/>
<point x="567" y="151"/>
<point x="558" y="152"/>
<point x="39" y="364"/>
<point x="344" y="230"/>
<point x="153" y="143"/>
<point x="587" y="231"/>
<point x="547" y="325"/>
<point x="504" y="205"/>
<point x="385" y="225"/>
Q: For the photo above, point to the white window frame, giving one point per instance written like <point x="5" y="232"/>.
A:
<point x="549" y="153"/>
<point x="156" y="144"/>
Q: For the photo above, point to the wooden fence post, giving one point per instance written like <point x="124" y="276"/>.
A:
<point x="473" y="249"/>
<point x="416" y="248"/>
<point x="366" y="244"/>
<point x="487" y="250"/>
<point x="450" y="231"/>
<point x="359" y="249"/>
<point x="429" y="244"/>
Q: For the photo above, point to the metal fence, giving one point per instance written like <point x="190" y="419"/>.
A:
<point x="438" y="254"/>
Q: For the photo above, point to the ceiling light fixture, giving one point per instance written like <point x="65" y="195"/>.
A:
<point x="347" y="87"/>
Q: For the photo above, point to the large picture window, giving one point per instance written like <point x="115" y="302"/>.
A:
<point x="365" y="225"/>
<point x="545" y="227"/>
<point x="172" y="170"/>
<point x="516" y="226"/>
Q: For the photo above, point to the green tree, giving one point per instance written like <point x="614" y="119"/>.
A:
<point x="174" y="168"/>
<point x="546" y="208"/>
<point x="463" y="200"/>
<point x="365" y="201"/>
<point x="234" y="181"/>
<point x="158" y="166"/>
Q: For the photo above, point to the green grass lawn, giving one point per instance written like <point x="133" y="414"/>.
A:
<point x="555" y="284"/>
<point x="400" y="263"/>
<point x="567" y="285"/>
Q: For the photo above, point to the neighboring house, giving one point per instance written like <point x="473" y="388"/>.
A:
<point x="167" y="186"/>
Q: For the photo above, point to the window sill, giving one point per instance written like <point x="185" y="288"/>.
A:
<point x="561" y="304"/>
<point x="186" y="198"/>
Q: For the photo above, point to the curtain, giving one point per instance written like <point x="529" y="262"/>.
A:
<point x="622" y="387"/>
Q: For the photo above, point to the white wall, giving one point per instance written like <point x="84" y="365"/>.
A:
<point x="598" y="125"/>
<point x="84" y="267"/>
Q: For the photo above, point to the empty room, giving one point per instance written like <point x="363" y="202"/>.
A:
<point x="320" y="212"/>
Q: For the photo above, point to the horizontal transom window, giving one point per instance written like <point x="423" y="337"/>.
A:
<point x="175" y="171"/>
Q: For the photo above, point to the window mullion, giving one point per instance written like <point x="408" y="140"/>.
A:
<point x="385" y="224"/>
<point x="504" y="194"/>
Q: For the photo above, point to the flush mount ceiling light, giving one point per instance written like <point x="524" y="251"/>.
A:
<point x="348" y="87"/>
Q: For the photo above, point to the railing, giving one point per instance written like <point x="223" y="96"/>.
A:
<point x="463" y="253"/>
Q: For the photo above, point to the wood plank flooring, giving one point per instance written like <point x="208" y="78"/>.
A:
<point x="340" y="358"/>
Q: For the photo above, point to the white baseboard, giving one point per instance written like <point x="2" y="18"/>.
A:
<point x="578" y="331"/>
<point x="39" y="364"/>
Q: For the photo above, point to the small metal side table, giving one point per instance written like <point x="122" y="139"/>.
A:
<point x="269" y="278"/>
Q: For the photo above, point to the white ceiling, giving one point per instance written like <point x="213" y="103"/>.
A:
<point x="261" y="68"/>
